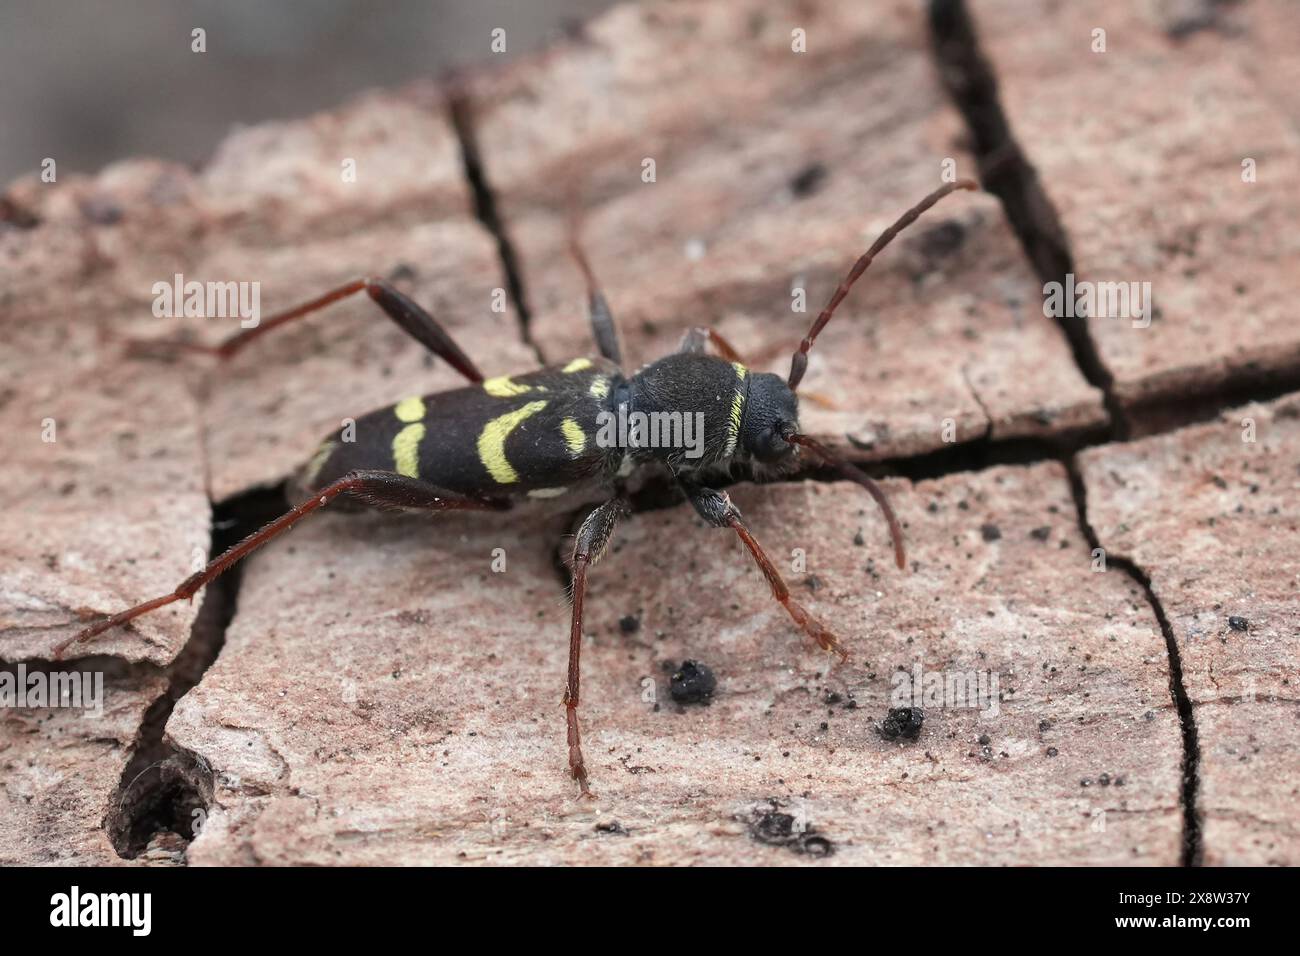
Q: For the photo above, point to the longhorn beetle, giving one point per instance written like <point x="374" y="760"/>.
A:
<point x="499" y="440"/>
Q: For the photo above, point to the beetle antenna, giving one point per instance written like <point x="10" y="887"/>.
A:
<point x="799" y="363"/>
<point x="857" y="475"/>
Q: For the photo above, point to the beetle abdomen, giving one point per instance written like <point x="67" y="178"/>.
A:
<point x="527" y="435"/>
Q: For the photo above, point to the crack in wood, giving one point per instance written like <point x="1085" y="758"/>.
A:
<point x="1006" y="172"/>
<point x="163" y="787"/>
<point x="1193" y="847"/>
<point x="150" y="798"/>
<point x="460" y="112"/>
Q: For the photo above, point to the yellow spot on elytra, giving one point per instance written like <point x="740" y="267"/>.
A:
<point x="737" y="407"/>
<point x="409" y="409"/>
<point x="406" y="450"/>
<point x="318" y="462"/>
<point x="492" y="442"/>
<point x="577" y="365"/>
<point x="547" y="492"/>
<point x="599" y="387"/>
<point x="503" y="387"/>
<point x="574" y="436"/>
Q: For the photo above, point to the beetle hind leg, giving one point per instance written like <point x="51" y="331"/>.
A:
<point x="589" y="544"/>
<point x="375" y="488"/>
<point x="408" y="315"/>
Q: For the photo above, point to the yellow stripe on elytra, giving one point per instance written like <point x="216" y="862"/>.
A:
<point x="574" y="436"/>
<point x="409" y="409"/>
<point x="406" y="450"/>
<point x="737" y="407"/>
<point x="492" y="442"/>
<point x="577" y="365"/>
<point x="503" y="387"/>
<point x="599" y="387"/>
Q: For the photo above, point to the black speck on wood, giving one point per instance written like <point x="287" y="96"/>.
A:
<point x="693" y="683"/>
<point x="775" y="828"/>
<point x="902" y="723"/>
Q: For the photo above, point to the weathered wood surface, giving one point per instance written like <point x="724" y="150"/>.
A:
<point x="433" y="738"/>
<point x="384" y="696"/>
<point x="1211" y="515"/>
<point x="785" y="166"/>
<point x="60" y="770"/>
<point x="1141" y="149"/>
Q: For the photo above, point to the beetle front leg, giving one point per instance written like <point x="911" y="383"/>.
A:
<point x="716" y="508"/>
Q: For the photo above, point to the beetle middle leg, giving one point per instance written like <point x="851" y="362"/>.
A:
<point x="716" y="508"/>
<point x="589" y="544"/>
<point x="604" y="328"/>
<point x="378" y="488"/>
<point x="697" y="340"/>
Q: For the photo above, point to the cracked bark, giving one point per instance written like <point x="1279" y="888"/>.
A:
<point x="1211" y="241"/>
<point x="1192" y="845"/>
<point x="460" y="112"/>
<point x="1229" y="505"/>
<point x="313" y="753"/>
<point x="348" y="707"/>
<point x="702" y="245"/>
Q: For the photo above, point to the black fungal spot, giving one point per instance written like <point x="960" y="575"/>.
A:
<point x="1239" y="624"/>
<point x="990" y="532"/>
<point x="942" y="240"/>
<point x="101" y="210"/>
<point x="1184" y="20"/>
<point x="403" y="272"/>
<point x="693" y="683"/>
<point x="808" y="180"/>
<point x="773" y="827"/>
<point x="629" y="624"/>
<point x="902" y="723"/>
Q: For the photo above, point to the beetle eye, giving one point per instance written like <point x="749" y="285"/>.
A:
<point x="775" y="446"/>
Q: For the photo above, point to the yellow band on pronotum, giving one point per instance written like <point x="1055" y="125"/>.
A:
<point x="737" y="407"/>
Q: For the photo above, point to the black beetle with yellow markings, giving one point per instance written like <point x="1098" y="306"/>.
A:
<point x="551" y="433"/>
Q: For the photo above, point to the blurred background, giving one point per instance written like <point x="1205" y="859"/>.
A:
<point x="88" y="82"/>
